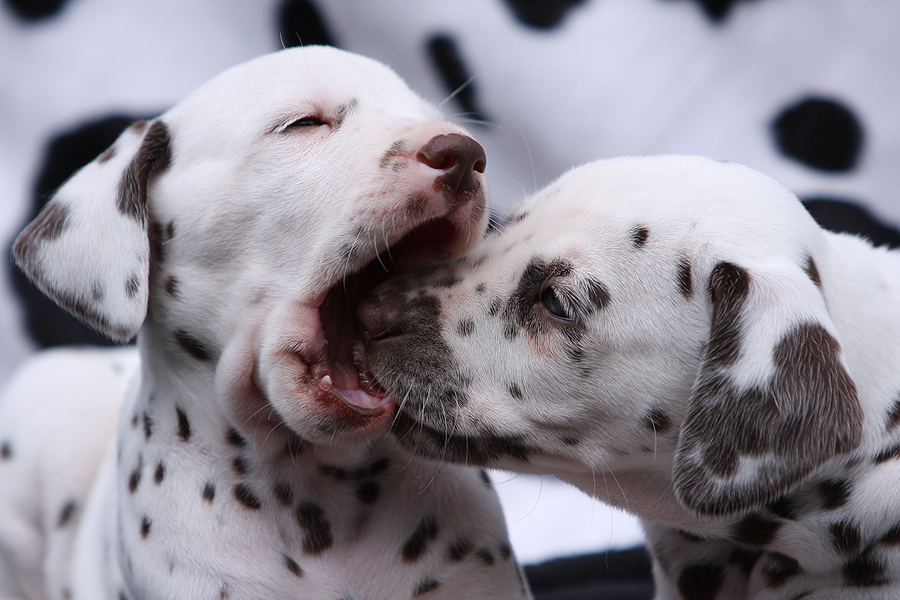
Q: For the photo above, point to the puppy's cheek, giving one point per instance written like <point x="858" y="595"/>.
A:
<point x="237" y="388"/>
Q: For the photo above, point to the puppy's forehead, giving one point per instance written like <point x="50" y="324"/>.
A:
<point x="644" y="200"/>
<point x="293" y="82"/>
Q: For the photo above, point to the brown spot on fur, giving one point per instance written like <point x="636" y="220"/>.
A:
<point x="153" y="156"/>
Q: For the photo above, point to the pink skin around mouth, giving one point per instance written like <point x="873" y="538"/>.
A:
<point x="330" y="368"/>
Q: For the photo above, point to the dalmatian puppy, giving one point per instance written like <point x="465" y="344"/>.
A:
<point x="233" y="235"/>
<point x="676" y="336"/>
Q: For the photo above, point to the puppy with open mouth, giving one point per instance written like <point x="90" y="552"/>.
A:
<point x="234" y="235"/>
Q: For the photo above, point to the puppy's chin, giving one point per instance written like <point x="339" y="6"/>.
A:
<point x="279" y="378"/>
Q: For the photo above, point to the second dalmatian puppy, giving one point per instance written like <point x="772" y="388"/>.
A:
<point x="674" y="335"/>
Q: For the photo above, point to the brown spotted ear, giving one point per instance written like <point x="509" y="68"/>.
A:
<point x="772" y="400"/>
<point x="89" y="250"/>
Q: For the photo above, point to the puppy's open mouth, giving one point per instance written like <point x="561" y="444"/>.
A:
<point x="334" y="358"/>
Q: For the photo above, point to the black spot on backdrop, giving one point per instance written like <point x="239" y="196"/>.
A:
<point x="300" y="23"/>
<point x="35" y="10"/>
<point x="65" y="154"/>
<point x="619" y="575"/>
<point x="542" y="14"/>
<point x="845" y="216"/>
<point x="446" y="58"/>
<point x="717" y="10"/>
<point x="821" y="133"/>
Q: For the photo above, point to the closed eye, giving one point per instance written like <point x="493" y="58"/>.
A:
<point x="307" y="121"/>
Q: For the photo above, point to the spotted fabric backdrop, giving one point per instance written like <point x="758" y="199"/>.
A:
<point x="804" y="90"/>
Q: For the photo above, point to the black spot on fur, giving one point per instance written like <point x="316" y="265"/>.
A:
<point x="300" y="24"/>
<point x="153" y="156"/>
<point x="465" y="327"/>
<point x="292" y="565"/>
<point x="245" y="496"/>
<point x="134" y="480"/>
<point x="685" y="283"/>
<point x="812" y="271"/>
<point x="485" y="557"/>
<point x="657" y="420"/>
<point x="892" y="537"/>
<point x="514" y="390"/>
<point x="745" y="559"/>
<point x="171" y="287"/>
<point x="417" y="543"/>
<point x="459" y="550"/>
<point x="540" y="13"/>
<point x="417" y="204"/>
<point x="192" y="345"/>
<point x="184" y="426"/>
<point x="834" y="493"/>
<point x="700" y="582"/>
<point x="66" y="514"/>
<point x="145" y="527"/>
<point x="887" y="454"/>
<point x="505" y="551"/>
<point x="779" y="568"/>
<point x="845" y="537"/>
<point x="639" y="236"/>
<point x="132" y="286"/>
<point x="755" y="530"/>
<point x="894" y="416"/>
<point x="6" y="451"/>
<point x="864" y="571"/>
<point x="148" y="426"/>
<point x="209" y="492"/>
<point x="428" y="585"/>
<point x="447" y="59"/>
<point x="821" y="133"/>
<point x="316" y="530"/>
<point x="729" y="286"/>
<point x="367" y="492"/>
<point x="283" y="492"/>
<point x="240" y="465"/>
<point x="343" y="111"/>
<point x="234" y="438"/>
<point x="569" y="440"/>
<point x="785" y="507"/>
<point x="160" y="473"/>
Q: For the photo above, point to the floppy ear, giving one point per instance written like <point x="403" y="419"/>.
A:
<point x="772" y="400"/>
<point x="89" y="250"/>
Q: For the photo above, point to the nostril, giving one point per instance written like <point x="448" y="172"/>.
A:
<point x="440" y="161"/>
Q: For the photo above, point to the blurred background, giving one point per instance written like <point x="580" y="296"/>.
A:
<point x="805" y="90"/>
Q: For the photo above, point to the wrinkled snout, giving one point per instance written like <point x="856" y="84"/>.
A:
<point x="459" y="157"/>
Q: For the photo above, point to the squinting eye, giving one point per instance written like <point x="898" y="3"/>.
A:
<point x="305" y="122"/>
<point x="553" y="305"/>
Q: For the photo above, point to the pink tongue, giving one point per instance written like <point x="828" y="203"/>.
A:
<point x="346" y="385"/>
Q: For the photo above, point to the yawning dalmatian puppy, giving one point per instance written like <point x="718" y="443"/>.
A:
<point x="676" y="336"/>
<point x="233" y="235"/>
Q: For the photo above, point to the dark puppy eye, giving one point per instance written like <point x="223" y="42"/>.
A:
<point x="305" y="122"/>
<point x="553" y="305"/>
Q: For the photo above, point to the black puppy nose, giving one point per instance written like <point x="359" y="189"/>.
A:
<point x="459" y="156"/>
<point x="377" y="316"/>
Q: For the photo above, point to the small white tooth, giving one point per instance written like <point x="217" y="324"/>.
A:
<point x="325" y="382"/>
